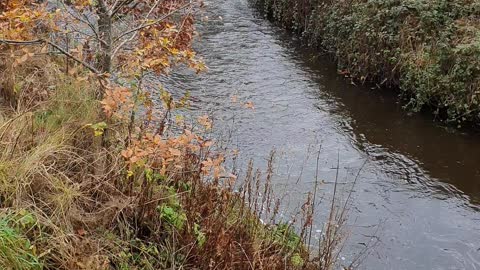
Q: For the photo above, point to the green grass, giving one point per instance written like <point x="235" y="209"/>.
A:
<point x="16" y="252"/>
<point x="69" y="105"/>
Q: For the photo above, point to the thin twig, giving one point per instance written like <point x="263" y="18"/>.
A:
<point x="135" y="33"/>
<point x="88" y="66"/>
<point x="20" y="42"/>
<point x="44" y="41"/>
<point x="152" y="23"/>
<point x="314" y="196"/>
<point x="116" y="9"/>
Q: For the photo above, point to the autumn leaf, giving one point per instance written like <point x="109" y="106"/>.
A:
<point x="81" y="232"/>
<point x="249" y="105"/>
<point x="208" y="143"/>
<point x="205" y="122"/>
<point x="175" y="152"/>
<point x="127" y="153"/>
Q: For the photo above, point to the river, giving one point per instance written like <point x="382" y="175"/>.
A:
<point x="418" y="196"/>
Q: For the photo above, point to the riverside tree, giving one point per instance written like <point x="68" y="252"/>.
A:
<point x="118" y="41"/>
<point x="109" y="36"/>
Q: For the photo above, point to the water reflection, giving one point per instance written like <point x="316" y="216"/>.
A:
<point x="411" y="146"/>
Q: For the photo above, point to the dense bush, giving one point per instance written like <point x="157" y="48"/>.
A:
<point x="429" y="49"/>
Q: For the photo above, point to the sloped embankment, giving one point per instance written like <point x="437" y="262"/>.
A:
<point x="429" y="49"/>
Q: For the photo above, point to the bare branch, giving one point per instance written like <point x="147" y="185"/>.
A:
<point x="43" y="41"/>
<point x="114" y="6"/>
<point x="76" y="30"/>
<point x="135" y="33"/>
<point x="86" y="21"/>
<point x="19" y="42"/>
<point x="92" y="26"/>
<point x="67" y="9"/>
<point x="136" y="29"/>
<point x="83" y="63"/>
<point x="115" y="9"/>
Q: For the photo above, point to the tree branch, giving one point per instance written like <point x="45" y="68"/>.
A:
<point x="135" y="33"/>
<point x="116" y="8"/>
<point x="86" y="21"/>
<point x="152" y="23"/>
<point x="19" y="42"/>
<point x="43" y="41"/>
<point x="92" y="26"/>
<point x="83" y="63"/>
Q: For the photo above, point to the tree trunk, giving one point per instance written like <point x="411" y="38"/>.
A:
<point x="104" y="65"/>
<point x="105" y="33"/>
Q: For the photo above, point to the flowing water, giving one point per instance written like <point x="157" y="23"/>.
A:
<point x="418" y="196"/>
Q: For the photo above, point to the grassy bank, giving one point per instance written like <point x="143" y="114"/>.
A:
<point x="59" y="212"/>
<point x="429" y="49"/>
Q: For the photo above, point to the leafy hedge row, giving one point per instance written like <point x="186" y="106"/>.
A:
<point x="429" y="49"/>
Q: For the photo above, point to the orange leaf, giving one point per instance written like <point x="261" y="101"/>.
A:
<point x="249" y="105"/>
<point x="174" y="152"/>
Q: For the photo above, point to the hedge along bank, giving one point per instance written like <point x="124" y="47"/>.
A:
<point x="429" y="49"/>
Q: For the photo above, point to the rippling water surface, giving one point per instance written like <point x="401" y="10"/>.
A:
<point x="419" y="193"/>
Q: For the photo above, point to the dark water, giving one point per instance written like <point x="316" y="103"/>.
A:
<point x="419" y="193"/>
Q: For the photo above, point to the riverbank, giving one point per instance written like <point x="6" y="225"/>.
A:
<point x="58" y="212"/>
<point x="429" y="50"/>
<point x="96" y="174"/>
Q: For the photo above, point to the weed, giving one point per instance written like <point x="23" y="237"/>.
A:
<point x="16" y="252"/>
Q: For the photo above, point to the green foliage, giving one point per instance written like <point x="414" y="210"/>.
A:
<point x="99" y="128"/>
<point x="297" y="260"/>
<point x="172" y="216"/>
<point x="172" y="212"/>
<point x="199" y="235"/>
<point x="285" y="235"/>
<point x="16" y="252"/>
